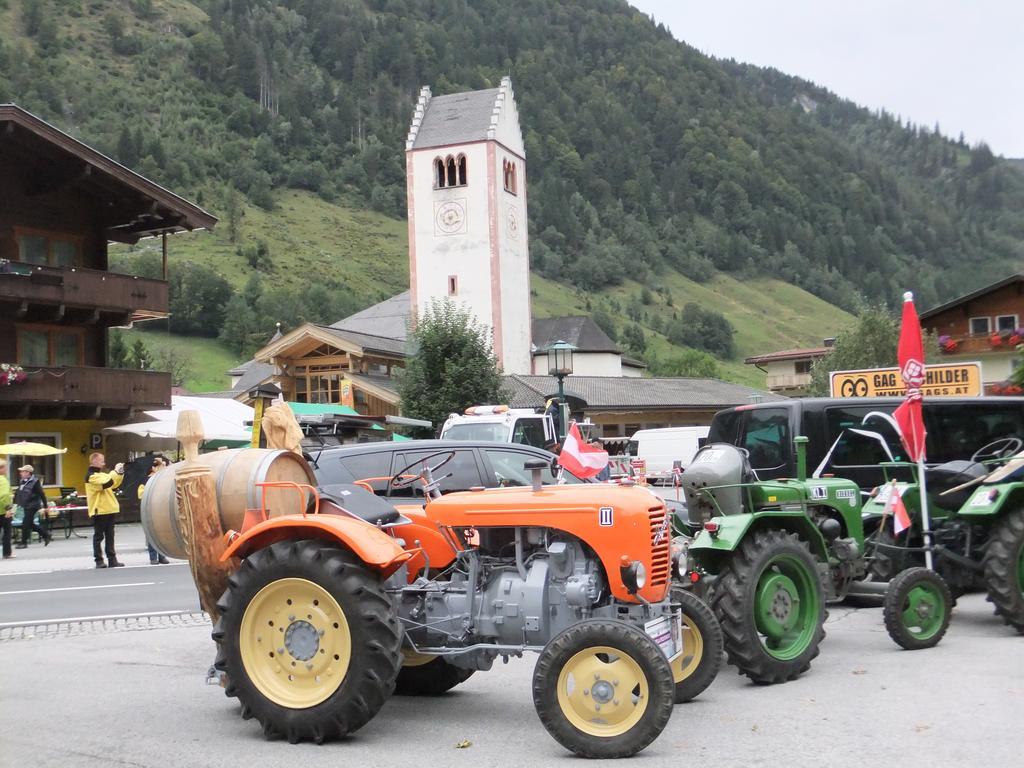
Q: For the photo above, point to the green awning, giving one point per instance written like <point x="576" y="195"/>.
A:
<point x="312" y="409"/>
<point x="315" y="409"/>
<point x="399" y="438"/>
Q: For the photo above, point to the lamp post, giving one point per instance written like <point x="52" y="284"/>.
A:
<point x="560" y="366"/>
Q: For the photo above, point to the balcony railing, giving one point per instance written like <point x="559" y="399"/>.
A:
<point x="141" y="297"/>
<point x="980" y="343"/>
<point x="779" y="381"/>
<point x="102" y="387"/>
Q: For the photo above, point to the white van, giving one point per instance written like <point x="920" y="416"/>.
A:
<point x="660" y="448"/>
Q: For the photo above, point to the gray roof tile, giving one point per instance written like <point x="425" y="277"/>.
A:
<point x="456" y="118"/>
<point x="389" y="318"/>
<point x="579" y="330"/>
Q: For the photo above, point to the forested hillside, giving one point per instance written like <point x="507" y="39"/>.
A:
<point x="646" y="158"/>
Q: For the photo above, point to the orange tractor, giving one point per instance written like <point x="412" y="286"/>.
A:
<point x="334" y="606"/>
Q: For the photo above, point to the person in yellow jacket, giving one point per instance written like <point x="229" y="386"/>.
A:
<point x="99" y="493"/>
<point x="6" y="510"/>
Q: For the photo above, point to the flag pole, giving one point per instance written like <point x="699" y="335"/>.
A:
<point x="925" y="525"/>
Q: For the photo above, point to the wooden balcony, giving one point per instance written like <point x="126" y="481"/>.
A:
<point x="781" y="382"/>
<point x="979" y="344"/>
<point x="69" y="294"/>
<point x="80" y="392"/>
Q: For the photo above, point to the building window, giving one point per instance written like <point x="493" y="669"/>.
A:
<point x="48" y="248"/>
<point x="453" y="285"/>
<point x="450" y="171"/>
<point x="1006" y="323"/>
<point x="49" y="345"/>
<point x="47" y="468"/>
<point x="802" y="366"/>
<point x="509" y="175"/>
<point x="981" y="326"/>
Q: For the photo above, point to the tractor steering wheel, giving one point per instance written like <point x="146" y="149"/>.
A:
<point x="403" y="480"/>
<point x="1003" y="448"/>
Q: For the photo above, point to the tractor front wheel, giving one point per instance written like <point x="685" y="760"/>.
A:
<point x="428" y="675"/>
<point x="309" y="641"/>
<point x="917" y="608"/>
<point x="697" y="666"/>
<point x="1004" y="569"/>
<point x="770" y="602"/>
<point x="603" y="689"/>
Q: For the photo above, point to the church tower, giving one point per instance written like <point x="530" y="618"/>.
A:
<point x="466" y="181"/>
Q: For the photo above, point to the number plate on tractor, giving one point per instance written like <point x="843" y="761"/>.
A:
<point x="667" y="633"/>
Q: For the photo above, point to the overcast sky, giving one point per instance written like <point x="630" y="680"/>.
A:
<point x="956" y="62"/>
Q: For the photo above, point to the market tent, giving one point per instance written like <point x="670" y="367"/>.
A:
<point x="318" y="409"/>
<point x="223" y="420"/>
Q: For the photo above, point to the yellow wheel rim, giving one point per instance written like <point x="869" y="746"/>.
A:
<point x="602" y="691"/>
<point x="413" y="659"/>
<point x="686" y="663"/>
<point x="295" y="643"/>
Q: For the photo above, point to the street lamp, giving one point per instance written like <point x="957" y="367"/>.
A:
<point x="560" y="366"/>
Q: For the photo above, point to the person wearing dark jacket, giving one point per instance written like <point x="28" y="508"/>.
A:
<point x="31" y="498"/>
<point x="99" y="492"/>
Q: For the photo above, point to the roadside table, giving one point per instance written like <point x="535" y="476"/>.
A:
<point x="65" y="513"/>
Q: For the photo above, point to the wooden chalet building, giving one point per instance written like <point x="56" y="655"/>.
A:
<point x="61" y="203"/>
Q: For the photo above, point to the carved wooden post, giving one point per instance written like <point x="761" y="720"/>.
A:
<point x="199" y="518"/>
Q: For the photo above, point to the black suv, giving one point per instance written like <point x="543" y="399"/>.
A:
<point x="475" y="464"/>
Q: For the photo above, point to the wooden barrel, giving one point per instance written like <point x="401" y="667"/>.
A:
<point x="235" y="473"/>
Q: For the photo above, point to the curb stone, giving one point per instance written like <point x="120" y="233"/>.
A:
<point x="102" y="626"/>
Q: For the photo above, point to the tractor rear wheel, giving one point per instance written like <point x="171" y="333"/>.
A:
<point x="1004" y="568"/>
<point x="309" y="641"/>
<point x="770" y="602"/>
<point x="917" y="608"/>
<point x="428" y="675"/>
<point x="603" y="689"/>
<point x="696" y="667"/>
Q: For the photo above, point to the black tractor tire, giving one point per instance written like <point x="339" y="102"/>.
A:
<point x="706" y="634"/>
<point x="886" y="563"/>
<point x="1003" y="571"/>
<point x="734" y="599"/>
<point x="373" y="645"/>
<point x="899" y="605"/>
<point x="603" y="734"/>
<point x="434" y="678"/>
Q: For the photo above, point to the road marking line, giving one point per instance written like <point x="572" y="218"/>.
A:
<point x="34" y="622"/>
<point x="25" y="573"/>
<point x="72" y="589"/>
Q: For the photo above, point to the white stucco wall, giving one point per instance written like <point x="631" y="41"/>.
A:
<point x="586" y="364"/>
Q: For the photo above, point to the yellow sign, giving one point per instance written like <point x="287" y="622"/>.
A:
<point x="953" y="380"/>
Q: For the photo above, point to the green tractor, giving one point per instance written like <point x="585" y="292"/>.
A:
<point x="976" y="537"/>
<point x="769" y="555"/>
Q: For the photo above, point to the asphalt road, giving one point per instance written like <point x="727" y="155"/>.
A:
<point x="138" y="699"/>
<point x="60" y="596"/>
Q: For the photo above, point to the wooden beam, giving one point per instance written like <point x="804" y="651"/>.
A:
<point x="163" y="250"/>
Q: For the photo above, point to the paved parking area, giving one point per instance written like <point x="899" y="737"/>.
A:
<point x="138" y="699"/>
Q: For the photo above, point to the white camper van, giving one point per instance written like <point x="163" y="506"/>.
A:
<point x="660" y="448"/>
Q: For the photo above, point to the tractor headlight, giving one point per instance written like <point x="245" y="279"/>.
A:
<point x="634" y="576"/>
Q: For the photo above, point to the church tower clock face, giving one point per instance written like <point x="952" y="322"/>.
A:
<point x="450" y="217"/>
<point x="512" y="222"/>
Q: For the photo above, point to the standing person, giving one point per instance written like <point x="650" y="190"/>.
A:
<point x="99" y="493"/>
<point x="605" y="474"/>
<point x="159" y="462"/>
<point x="6" y="509"/>
<point x="31" y="498"/>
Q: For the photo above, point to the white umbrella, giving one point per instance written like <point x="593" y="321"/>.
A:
<point x="166" y="427"/>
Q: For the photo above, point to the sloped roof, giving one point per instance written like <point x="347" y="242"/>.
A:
<point x="389" y="318"/>
<point x="612" y="392"/>
<point x="453" y="119"/>
<point x="142" y="208"/>
<point x="579" y="330"/>
<point x="368" y="341"/>
<point x="788" y="354"/>
<point x="1017" y="278"/>
<point x="253" y="374"/>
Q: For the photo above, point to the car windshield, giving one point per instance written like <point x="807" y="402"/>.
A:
<point x="493" y="432"/>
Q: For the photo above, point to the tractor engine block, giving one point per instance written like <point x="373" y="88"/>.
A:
<point x="511" y="598"/>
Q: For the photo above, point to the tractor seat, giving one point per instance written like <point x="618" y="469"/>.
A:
<point x="358" y="501"/>
<point x="942" y="477"/>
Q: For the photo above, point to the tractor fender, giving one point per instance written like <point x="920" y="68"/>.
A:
<point x="1008" y="496"/>
<point x="734" y="528"/>
<point x="370" y="544"/>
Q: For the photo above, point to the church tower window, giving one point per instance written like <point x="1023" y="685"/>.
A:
<point x="439" y="173"/>
<point x="509" y="174"/>
<point x="462" y="170"/>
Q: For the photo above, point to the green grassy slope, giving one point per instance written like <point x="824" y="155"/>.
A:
<point x="309" y="237"/>
<point x="209" y="360"/>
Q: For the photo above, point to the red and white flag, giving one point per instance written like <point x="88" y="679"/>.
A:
<point x="580" y="458"/>
<point x="900" y="516"/>
<point x="909" y="416"/>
